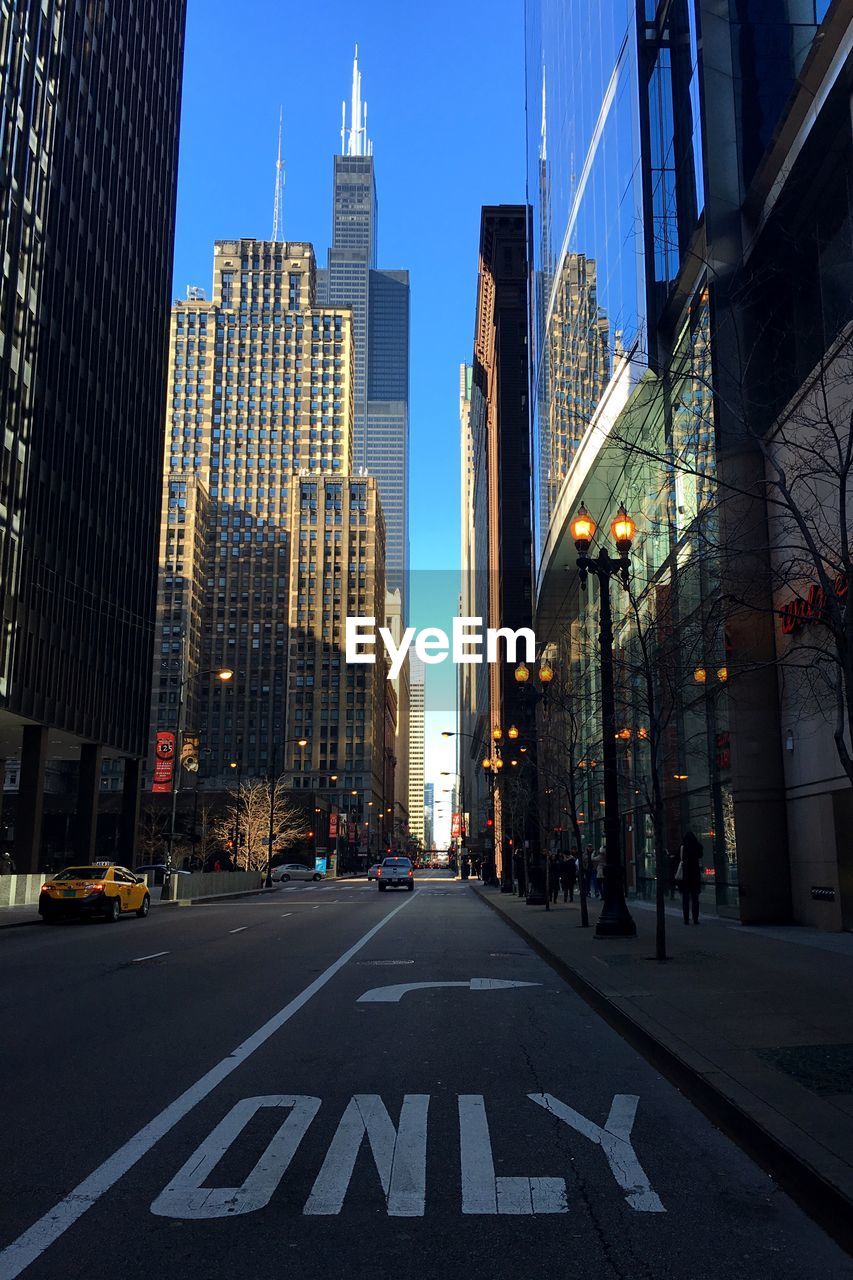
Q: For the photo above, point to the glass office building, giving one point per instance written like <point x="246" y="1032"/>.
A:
<point x="650" y="149"/>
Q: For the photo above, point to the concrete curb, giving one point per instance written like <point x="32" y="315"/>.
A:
<point x="819" y="1198"/>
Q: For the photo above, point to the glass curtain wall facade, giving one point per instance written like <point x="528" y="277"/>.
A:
<point x="640" y="299"/>
<point x="623" y="411"/>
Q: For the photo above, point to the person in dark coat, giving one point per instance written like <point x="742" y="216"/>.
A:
<point x="691" y="876"/>
<point x="568" y="878"/>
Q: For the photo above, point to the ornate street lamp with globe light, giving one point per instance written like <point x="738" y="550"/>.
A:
<point x="615" y="920"/>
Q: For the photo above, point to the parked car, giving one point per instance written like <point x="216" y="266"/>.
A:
<point x="295" y="871"/>
<point x="373" y="871"/>
<point x="156" y="872"/>
<point x="396" y="872"/>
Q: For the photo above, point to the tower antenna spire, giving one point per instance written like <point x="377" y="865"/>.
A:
<point x="278" y="203"/>
<point x="354" y="140"/>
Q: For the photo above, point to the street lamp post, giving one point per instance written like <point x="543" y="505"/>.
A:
<point x="456" y="733"/>
<point x="537" y="886"/>
<point x="238" y="765"/>
<point x="615" y="920"/>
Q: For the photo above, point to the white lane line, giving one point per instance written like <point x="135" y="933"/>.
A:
<point x="154" y="955"/>
<point x="18" y="1255"/>
<point x="316" y="907"/>
<point x="286" y="914"/>
<point x="240" y="930"/>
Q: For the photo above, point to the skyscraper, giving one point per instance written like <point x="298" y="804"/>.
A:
<point x="394" y="623"/>
<point x="416" y="750"/>
<point x="429" y="815"/>
<point x="498" y="486"/>
<point x="380" y="310"/>
<point x="260" y="415"/>
<point x="89" y="138"/>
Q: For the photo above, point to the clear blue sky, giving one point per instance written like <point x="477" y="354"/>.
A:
<point x="444" y="85"/>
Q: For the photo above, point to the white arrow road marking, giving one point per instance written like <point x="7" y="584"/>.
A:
<point x="185" y="1197"/>
<point x="400" y="1156"/>
<point x="482" y="1192"/>
<point x="615" y="1141"/>
<point x="18" y="1255"/>
<point x="394" y="994"/>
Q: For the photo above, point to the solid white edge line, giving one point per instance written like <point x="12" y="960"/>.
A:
<point x="153" y="956"/>
<point x="18" y="1255"/>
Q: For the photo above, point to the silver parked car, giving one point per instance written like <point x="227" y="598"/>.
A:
<point x="295" y="871"/>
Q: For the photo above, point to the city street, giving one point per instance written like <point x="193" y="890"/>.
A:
<point x="253" y="1089"/>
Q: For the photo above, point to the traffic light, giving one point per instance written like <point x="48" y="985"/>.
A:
<point x="490" y="822"/>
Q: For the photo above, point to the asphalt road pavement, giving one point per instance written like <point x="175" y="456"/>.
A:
<point x="331" y="1082"/>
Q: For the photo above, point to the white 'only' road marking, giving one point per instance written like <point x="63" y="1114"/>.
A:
<point x="18" y="1255"/>
<point x="400" y="1155"/>
<point x="394" y="994"/>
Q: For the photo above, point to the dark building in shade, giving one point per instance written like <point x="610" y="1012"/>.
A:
<point x="89" y="118"/>
<point x="501" y="559"/>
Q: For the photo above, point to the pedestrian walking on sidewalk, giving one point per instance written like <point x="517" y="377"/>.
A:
<point x="568" y="878"/>
<point x="689" y="876"/>
<point x="599" y="862"/>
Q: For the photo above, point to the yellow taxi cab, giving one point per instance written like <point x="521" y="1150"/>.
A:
<point x="101" y="889"/>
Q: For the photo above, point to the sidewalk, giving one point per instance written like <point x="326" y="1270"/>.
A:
<point x="756" y="1024"/>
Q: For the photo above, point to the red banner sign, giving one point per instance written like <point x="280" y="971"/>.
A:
<point x="456" y="826"/>
<point x="333" y="826"/>
<point x="164" y="761"/>
<point x="351" y="832"/>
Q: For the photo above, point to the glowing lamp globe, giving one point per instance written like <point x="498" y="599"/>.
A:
<point x="512" y="732"/>
<point x="623" y="528"/>
<point x="583" y="528"/>
<point x="546" y="672"/>
<point x="522" y="674"/>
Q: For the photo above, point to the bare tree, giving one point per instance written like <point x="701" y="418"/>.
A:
<point x="248" y="815"/>
<point x="151" y="836"/>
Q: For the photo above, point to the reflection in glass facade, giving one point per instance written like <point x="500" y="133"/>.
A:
<point x="638" y="183"/>
<point x="583" y="180"/>
<point x="615" y="177"/>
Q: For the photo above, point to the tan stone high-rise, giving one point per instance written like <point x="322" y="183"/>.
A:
<point x="260" y="416"/>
